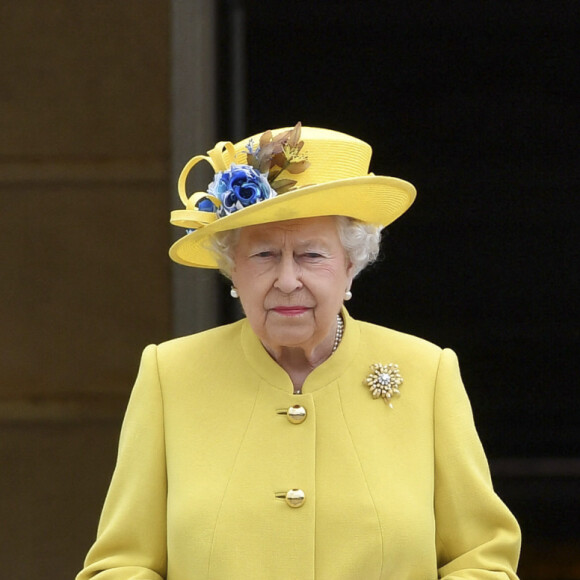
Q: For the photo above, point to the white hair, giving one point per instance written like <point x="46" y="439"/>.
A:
<point x="223" y="245"/>
<point x="360" y="241"/>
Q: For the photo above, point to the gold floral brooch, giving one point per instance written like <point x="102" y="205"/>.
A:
<point x="384" y="381"/>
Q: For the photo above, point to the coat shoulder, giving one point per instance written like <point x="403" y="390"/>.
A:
<point x="203" y="346"/>
<point x="375" y="337"/>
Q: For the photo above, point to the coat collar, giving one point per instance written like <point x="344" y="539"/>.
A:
<point x="329" y="371"/>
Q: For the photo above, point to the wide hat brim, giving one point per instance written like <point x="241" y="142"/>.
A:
<point x="372" y="199"/>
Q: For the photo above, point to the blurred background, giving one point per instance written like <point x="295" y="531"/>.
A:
<point x="102" y="103"/>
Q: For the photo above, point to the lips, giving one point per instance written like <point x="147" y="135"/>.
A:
<point x="290" y="310"/>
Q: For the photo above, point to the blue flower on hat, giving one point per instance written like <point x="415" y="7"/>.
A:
<point x="238" y="187"/>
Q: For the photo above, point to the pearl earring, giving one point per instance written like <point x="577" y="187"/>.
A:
<point x="234" y="292"/>
<point x="348" y="295"/>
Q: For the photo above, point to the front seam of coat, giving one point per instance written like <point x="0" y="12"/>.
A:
<point x="219" y="510"/>
<point x="434" y="452"/>
<point x="160" y="383"/>
<point x="365" y="479"/>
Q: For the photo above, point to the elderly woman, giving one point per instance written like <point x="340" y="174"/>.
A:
<point x="298" y="442"/>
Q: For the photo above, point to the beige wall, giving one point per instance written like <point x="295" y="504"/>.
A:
<point x="85" y="281"/>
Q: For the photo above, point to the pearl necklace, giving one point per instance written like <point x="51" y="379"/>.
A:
<point x="339" y="331"/>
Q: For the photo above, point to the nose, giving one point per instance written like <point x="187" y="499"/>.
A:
<point x="288" y="275"/>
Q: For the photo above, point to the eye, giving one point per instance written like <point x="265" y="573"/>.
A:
<point x="312" y="256"/>
<point x="263" y="254"/>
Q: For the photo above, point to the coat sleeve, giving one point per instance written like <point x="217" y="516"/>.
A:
<point x="477" y="536"/>
<point x="131" y="538"/>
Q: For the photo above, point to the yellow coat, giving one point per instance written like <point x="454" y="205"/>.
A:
<point x="207" y="453"/>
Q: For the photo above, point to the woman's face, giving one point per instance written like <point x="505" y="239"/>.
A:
<point x="291" y="277"/>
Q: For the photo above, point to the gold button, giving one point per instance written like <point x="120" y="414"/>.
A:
<point x="295" y="414"/>
<point x="295" y="498"/>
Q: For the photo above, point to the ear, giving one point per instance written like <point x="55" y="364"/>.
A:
<point x="349" y="274"/>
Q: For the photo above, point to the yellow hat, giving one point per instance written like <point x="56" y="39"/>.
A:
<point x="280" y="175"/>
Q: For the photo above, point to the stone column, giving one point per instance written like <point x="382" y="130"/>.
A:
<point x="193" y="131"/>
